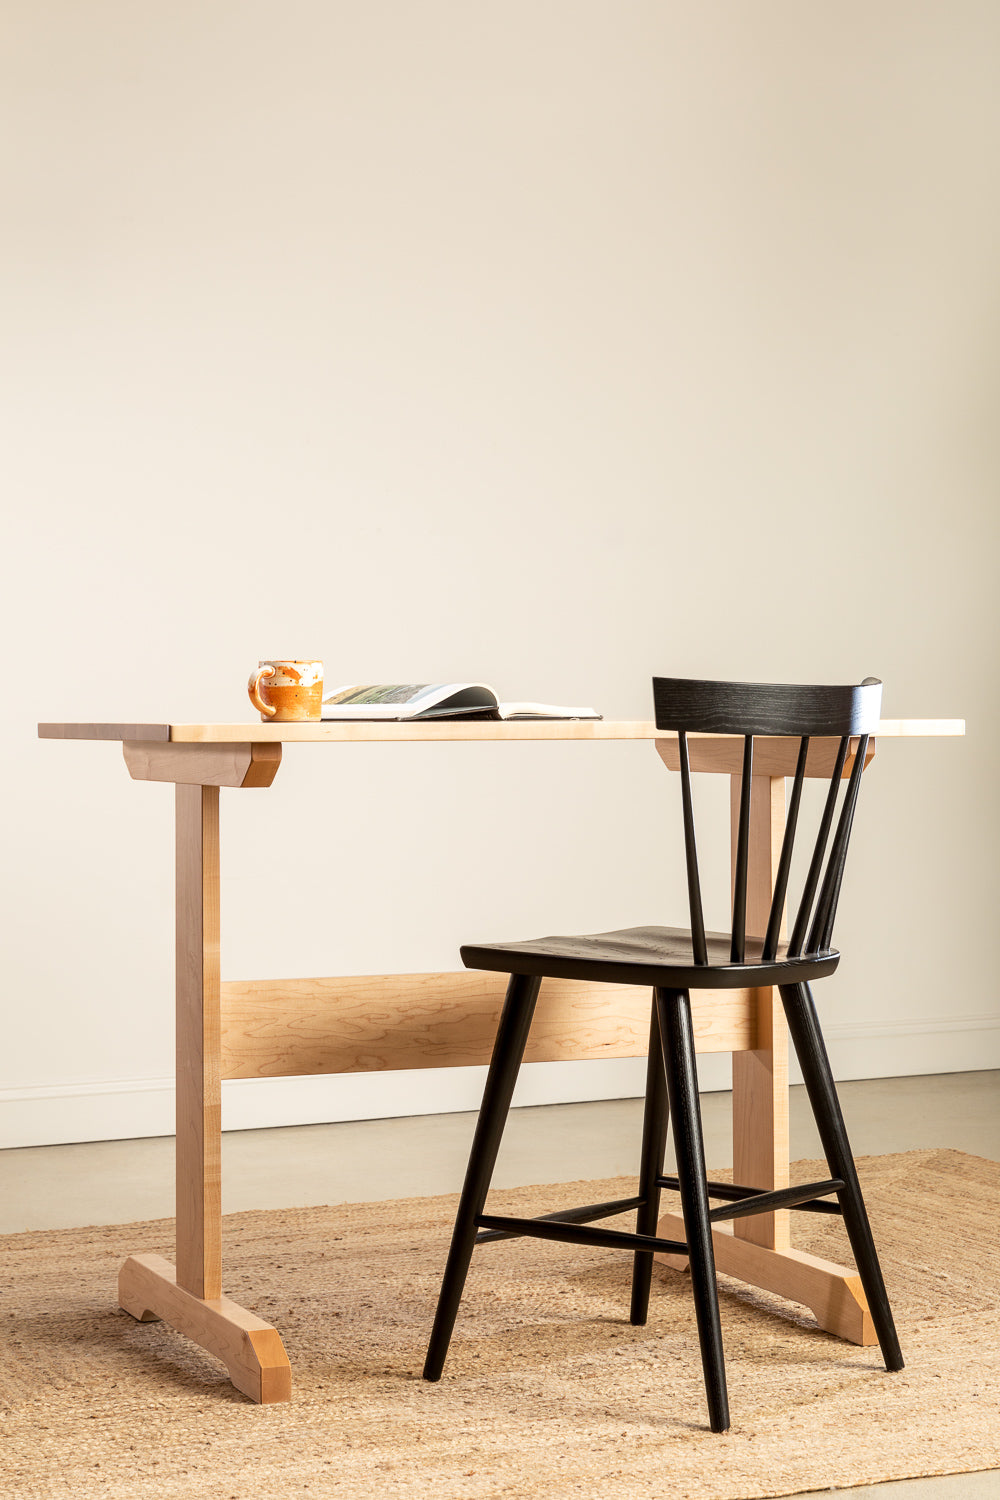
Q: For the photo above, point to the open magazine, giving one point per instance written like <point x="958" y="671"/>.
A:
<point x="438" y="700"/>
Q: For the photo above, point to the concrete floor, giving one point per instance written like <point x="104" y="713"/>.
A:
<point x="113" y="1182"/>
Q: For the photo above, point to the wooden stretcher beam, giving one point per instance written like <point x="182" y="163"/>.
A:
<point x="273" y="1028"/>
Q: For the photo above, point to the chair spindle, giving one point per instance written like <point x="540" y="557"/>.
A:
<point x="698" y="944"/>
<point x="785" y="859"/>
<point x="737" y="952"/>
<point x="821" y="932"/>
<point x="816" y="863"/>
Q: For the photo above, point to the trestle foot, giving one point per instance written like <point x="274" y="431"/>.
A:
<point x="250" y="1349"/>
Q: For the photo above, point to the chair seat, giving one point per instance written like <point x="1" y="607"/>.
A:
<point x="652" y="956"/>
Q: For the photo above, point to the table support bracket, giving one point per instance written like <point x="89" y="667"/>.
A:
<point x="250" y="1349"/>
<point x="833" y="1294"/>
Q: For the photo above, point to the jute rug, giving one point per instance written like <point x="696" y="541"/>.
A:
<point x="548" y="1390"/>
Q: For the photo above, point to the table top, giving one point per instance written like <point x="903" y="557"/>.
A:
<point x="427" y="730"/>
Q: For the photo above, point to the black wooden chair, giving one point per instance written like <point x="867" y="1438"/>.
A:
<point x="675" y="961"/>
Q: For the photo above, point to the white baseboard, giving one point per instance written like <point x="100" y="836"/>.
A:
<point x="57" y="1114"/>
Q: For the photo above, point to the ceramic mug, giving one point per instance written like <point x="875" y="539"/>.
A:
<point x="287" y="692"/>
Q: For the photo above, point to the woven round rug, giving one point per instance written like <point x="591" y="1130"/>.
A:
<point x="548" y="1390"/>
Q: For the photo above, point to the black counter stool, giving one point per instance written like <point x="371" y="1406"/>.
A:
<point x="674" y="961"/>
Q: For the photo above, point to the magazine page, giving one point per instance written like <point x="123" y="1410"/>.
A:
<point x="466" y="700"/>
<point x="408" y="700"/>
<point x="545" y="711"/>
<point x="382" y="701"/>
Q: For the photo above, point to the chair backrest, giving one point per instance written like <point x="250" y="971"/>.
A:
<point x="788" y="710"/>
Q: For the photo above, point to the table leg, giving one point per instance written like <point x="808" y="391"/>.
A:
<point x="760" y="1077"/>
<point x="190" y="1298"/>
<point x="199" y="1085"/>
<point x="758" y="1249"/>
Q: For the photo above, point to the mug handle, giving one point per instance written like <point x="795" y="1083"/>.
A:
<point x="253" y="688"/>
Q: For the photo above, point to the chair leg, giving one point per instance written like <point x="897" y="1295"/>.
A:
<point x="807" y="1038"/>
<point x="508" y="1049"/>
<point x="654" y="1139"/>
<point x="677" y="1034"/>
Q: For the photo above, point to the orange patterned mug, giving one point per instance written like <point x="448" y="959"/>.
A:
<point x="287" y="692"/>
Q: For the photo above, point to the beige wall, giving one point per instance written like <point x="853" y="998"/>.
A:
<point x="547" y="343"/>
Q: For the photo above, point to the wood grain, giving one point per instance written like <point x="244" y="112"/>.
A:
<point x="274" y="1028"/>
<point x="917" y="728"/>
<point x="199" y="1088"/>
<point x="360" y="732"/>
<point x="752" y="708"/>
<point x="250" y="1349"/>
<point x="426" y="731"/>
<point x="104" y="731"/>
<point x="247" y="765"/>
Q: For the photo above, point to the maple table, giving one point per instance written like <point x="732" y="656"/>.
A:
<point x="276" y="1028"/>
